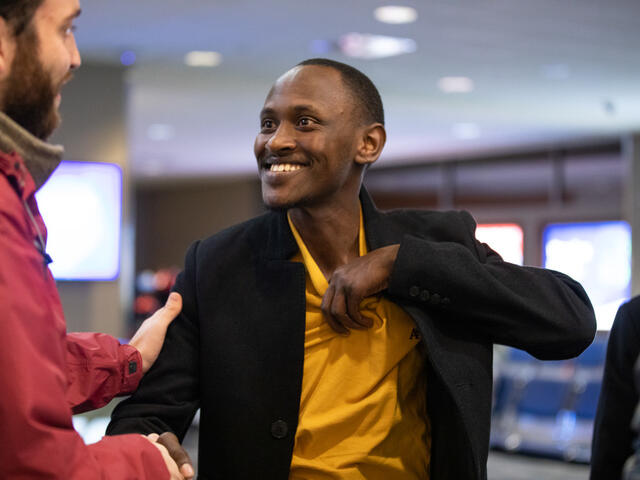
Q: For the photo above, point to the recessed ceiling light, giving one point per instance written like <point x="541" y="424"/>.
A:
<point x="456" y="84"/>
<point x="465" y="131"/>
<point x="364" y="45"/>
<point x="395" y="14"/>
<point x="203" y="59"/>
<point x="160" y="132"/>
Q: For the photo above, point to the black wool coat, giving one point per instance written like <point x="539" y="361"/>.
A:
<point x="237" y="350"/>
<point x="612" y="434"/>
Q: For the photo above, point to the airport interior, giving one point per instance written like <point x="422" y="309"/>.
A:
<point x="524" y="113"/>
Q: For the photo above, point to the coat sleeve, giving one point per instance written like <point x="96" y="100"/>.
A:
<point x="541" y="311"/>
<point x="168" y="395"/>
<point x="98" y="369"/>
<point x="612" y="434"/>
<point x="37" y="437"/>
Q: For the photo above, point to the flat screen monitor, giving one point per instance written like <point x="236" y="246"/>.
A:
<point x="504" y="238"/>
<point x="596" y="254"/>
<point x="81" y="205"/>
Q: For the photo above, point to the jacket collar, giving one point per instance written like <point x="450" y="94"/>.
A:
<point x="40" y="158"/>
<point x="281" y="245"/>
<point x="378" y="230"/>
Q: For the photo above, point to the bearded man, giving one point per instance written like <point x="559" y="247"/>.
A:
<point x="45" y="373"/>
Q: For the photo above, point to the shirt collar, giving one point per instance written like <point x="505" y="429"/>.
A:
<point x="317" y="277"/>
<point x="278" y="242"/>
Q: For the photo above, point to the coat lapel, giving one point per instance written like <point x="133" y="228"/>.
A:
<point x="378" y="230"/>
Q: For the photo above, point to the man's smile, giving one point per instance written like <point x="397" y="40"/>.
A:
<point x="284" y="167"/>
<point x="274" y="165"/>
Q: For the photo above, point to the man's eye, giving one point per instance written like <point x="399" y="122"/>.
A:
<point x="70" y="29"/>
<point x="304" y="122"/>
<point x="266" y="124"/>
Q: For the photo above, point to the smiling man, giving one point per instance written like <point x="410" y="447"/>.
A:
<point x="45" y="373"/>
<point x="328" y="339"/>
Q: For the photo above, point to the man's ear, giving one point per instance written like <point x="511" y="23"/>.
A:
<point x="372" y="142"/>
<point x="7" y="48"/>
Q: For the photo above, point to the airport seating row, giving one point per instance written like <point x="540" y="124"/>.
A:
<point x="547" y="408"/>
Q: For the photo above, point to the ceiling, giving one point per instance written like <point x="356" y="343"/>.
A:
<point x="545" y="72"/>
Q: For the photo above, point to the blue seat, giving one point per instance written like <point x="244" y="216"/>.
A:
<point x="543" y="398"/>
<point x="519" y="356"/>
<point x="503" y="394"/>
<point x="586" y="402"/>
<point x="594" y="355"/>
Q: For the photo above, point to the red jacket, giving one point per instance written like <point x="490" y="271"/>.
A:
<point x="45" y="373"/>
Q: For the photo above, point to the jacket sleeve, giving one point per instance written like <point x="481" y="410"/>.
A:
<point x="36" y="430"/>
<point x="98" y="369"/>
<point x="612" y="434"/>
<point x="168" y="395"/>
<point x="541" y="311"/>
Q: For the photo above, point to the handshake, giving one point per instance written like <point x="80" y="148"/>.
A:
<point x="175" y="457"/>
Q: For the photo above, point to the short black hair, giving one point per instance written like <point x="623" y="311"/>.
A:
<point x="364" y="91"/>
<point x="18" y="13"/>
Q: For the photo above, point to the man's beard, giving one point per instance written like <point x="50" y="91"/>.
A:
<point x="30" y="98"/>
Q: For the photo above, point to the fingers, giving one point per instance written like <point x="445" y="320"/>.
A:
<point x="353" y="311"/>
<point x="341" y="308"/>
<point x="187" y="471"/>
<point x="326" y="307"/>
<point x="174" y="472"/>
<point x="351" y="283"/>
<point x="171" y="308"/>
<point x="150" y="336"/>
<point x="179" y="454"/>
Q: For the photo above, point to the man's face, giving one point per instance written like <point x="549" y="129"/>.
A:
<point x="45" y="55"/>
<point x="308" y="138"/>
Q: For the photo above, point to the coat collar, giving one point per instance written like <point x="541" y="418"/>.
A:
<point x="380" y="232"/>
<point x="281" y="245"/>
<point x="40" y="158"/>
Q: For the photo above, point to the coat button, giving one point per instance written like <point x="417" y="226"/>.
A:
<point x="414" y="291"/>
<point x="424" y="295"/>
<point x="279" y="429"/>
<point x="435" y="299"/>
<point x="446" y="301"/>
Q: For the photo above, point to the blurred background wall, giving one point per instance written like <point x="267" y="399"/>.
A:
<point x="517" y="112"/>
<point x="171" y="217"/>
<point x="95" y="130"/>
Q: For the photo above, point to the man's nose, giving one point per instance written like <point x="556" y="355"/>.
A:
<point x="76" y="60"/>
<point x="283" y="139"/>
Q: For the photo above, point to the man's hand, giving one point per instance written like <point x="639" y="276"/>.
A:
<point x="149" y="338"/>
<point x="171" y="465"/>
<point x="354" y="281"/>
<point x="179" y="454"/>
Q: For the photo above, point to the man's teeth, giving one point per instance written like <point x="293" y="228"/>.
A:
<point x="284" y="167"/>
